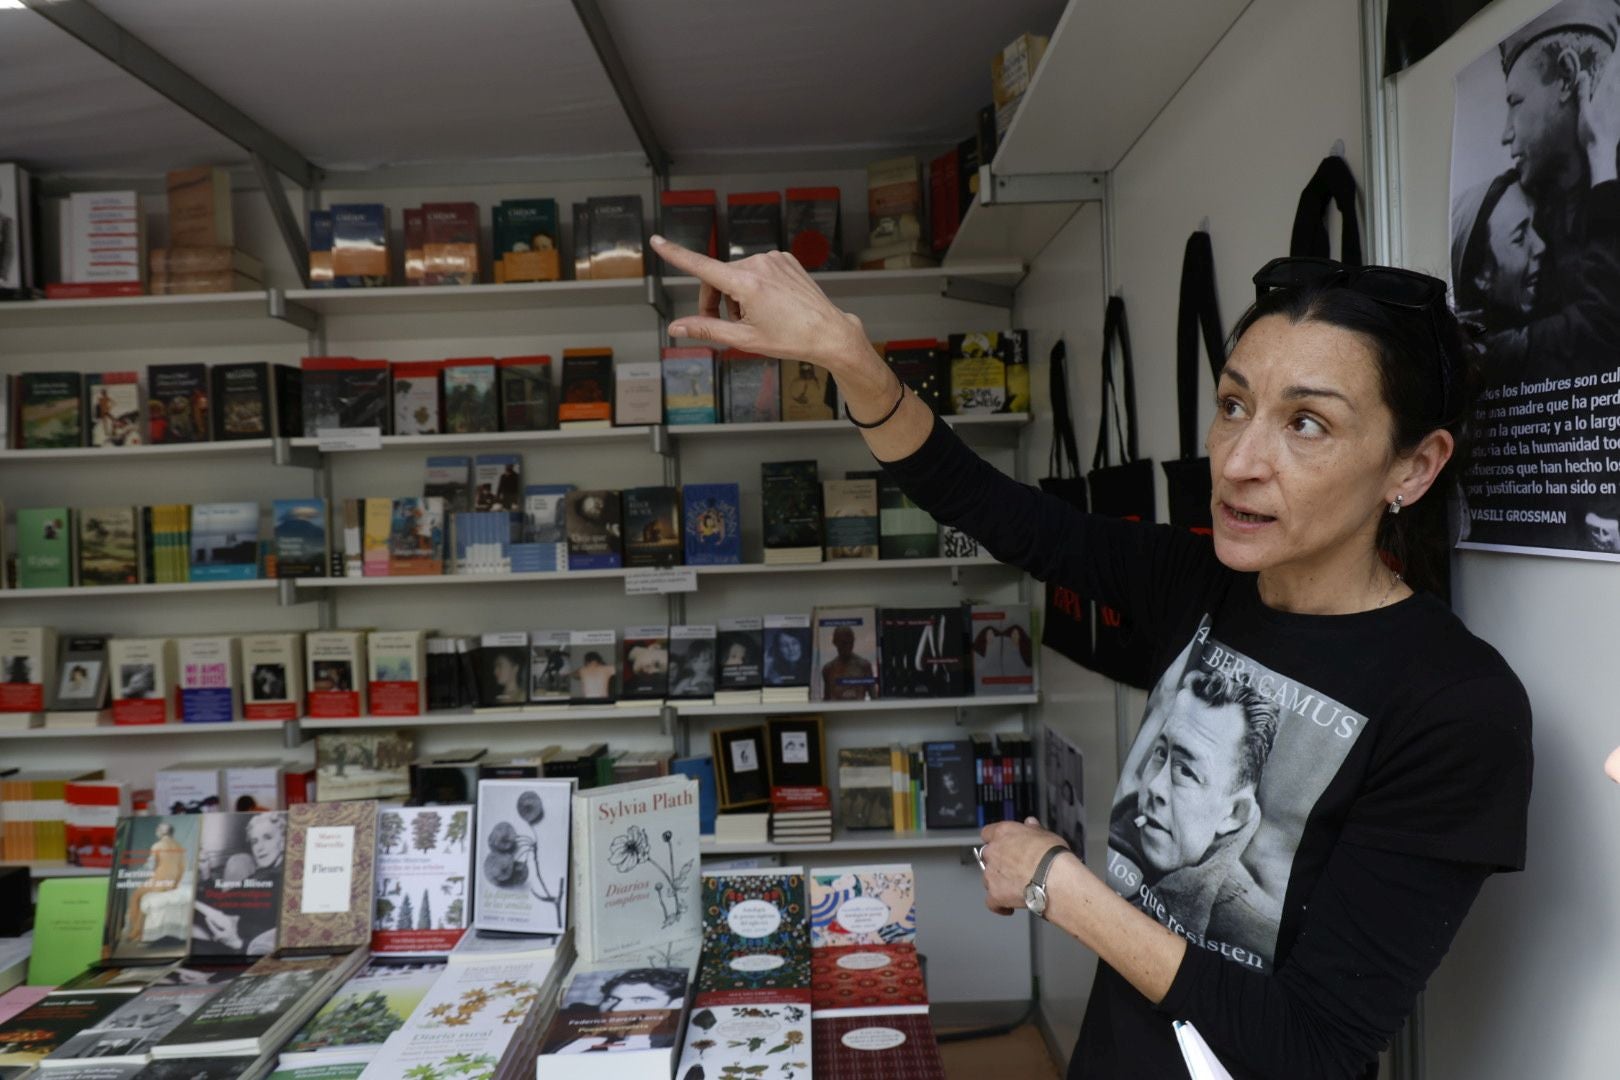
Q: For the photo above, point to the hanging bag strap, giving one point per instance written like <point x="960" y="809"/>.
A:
<point x="1116" y="329"/>
<point x="1333" y="183"/>
<point x="1198" y="310"/>
<point x="1064" y="458"/>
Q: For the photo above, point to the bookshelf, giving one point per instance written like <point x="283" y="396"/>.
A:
<point x="41" y="870"/>
<point x="474" y="719"/>
<point x="499" y="440"/>
<point x="834" y="708"/>
<point x="851" y="840"/>
<point x="161" y="452"/>
<point x="185" y="588"/>
<point x="146" y="731"/>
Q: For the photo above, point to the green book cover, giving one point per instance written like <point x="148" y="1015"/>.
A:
<point x="907" y="530"/>
<point x="45" y="548"/>
<point x="67" y="929"/>
<point x="50" y="410"/>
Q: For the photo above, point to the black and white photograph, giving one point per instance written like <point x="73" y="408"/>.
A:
<point x="787" y="655"/>
<point x="549" y="667"/>
<point x="1064" y="781"/>
<point x="502" y="674"/>
<point x="269" y="682"/>
<point x="521" y="856"/>
<point x="740" y="645"/>
<point x="129" y="1032"/>
<point x="240" y="858"/>
<point x="136" y="681"/>
<point x="1213" y="797"/>
<point x="691" y="662"/>
<point x="1536" y="274"/>
<point x="20" y="669"/>
<point x="796" y="756"/>
<point x="80" y="682"/>
<point x="651" y="999"/>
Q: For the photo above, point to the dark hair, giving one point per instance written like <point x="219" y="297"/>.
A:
<point x="1417" y="541"/>
<point x="671" y="982"/>
<point x="1259" y="718"/>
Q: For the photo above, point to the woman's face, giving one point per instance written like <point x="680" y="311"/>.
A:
<point x="264" y="841"/>
<point x="1300" y="449"/>
<point x="1516" y="251"/>
<point x="505" y="669"/>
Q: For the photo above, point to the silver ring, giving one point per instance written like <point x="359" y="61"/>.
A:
<point x="978" y="853"/>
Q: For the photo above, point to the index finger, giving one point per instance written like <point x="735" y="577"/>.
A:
<point x="709" y="271"/>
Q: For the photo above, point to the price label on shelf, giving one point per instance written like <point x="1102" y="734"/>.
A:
<point x="673" y="579"/>
<point x="353" y="438"/>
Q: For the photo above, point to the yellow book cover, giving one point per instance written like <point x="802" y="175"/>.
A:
<point x="978" y="373"/>
<point x="379" y="518"/>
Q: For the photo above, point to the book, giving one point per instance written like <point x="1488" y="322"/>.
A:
<point x="807" y="392"/>
<point x="756" y="934"/>
<point x="256" y="1011"/>
<point x="527" y="400"/>
<point x="594" y="530"/>
<point x="28" y="664"/>
<point x="498" y="483"/>
<point x="363" y="764"/>
<point x="416" y="537"/>
<point x="522" y="856"/>
<point x="545" y="528"/>
<point x="503" y="669"/>
<point x="126" y="1035"/>
<point x="689" y="385"/>
<point x="950" y="784"/>
<point x="581" y="214"/>
<point x="241" y="859"/>
<point x="177" y="403"/>
<point x="45" y="542"/>
<point x="22" y="273"/>
<point x="39" y="1030"/>
<point x="303" y="546"/>
<point x="924" y="652"/>
<point x="91" y="821"/>
<point x="646" y="664"/>
<point x="209" y="669"/>
<point x="204" y="259"/>
<point x="712" y="516"/>
<point x="765" y="1038"/>
<point x="152" y="888"/>
<point x="618" y="1020"/>
<point x="616" y="240"/>
<point x="69" y="928"/>
<point x="377" y="525"/>
<point x="894" y="202"/>
<point x="450" y="479"/>
<point x="692" y="661"/>
<point x="846" y="655"/>
<point x="246" y="404"/>
<point x="690" y="219"/>
<point x="549" y="663"/>
<point x="188" y="788"/>
<point x="788" y="652"/>
<point x="865" y="788"/>
<point x="814" y="229"/>
<point x="593" y="667"/>
<point x="446" y="777"/>
<point x="424" y="863"/>
<point x="652" y="526"/>
<point x="796" y="752"/>
<point x="1002" y="649"/>
<point x="50" y="409"/>
<point x="527" y="241"/>
<point x="863" y="1047"/>
<point x="635" y="870"/>
<point x="587" y="388"/>
<point x="254" y="786"/>
<point x="862" y="905"/>
<point x="225" y="541"/>
<point x="790" y="494"/>
<point x="450" y="244"/>
<point x="334" y="665"/>
<point x="320" y="250"/>
<point x="272" y="676"/>
<point x="340" y="392"/>
<point x="109" y="546"/>
<point x="905" y="530"/>
<point x="396" y="661"/>
<point x="851" y="519"/>
<point x="326" y="891"/>
<point x="143" y="680"/>
<point x="356" y="1020"/>
<point x="740" y="645"/>
<point x="471" y="395"/>
<point x="921" y="365"/>
<point x="112" y="409"/>
<point x="360" y="250"/>
<point x="638" y="393"/>
<point x="741" y="771"/>
<point x="200" y="207"/>
<point x="956" y="544"/>
<point x="753" y="394"/>
<point x="753" y="223"/>
<point x="418" y="400"/>
<point x="106" y="237"/>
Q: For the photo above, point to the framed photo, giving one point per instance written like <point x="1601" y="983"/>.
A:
<point x="741" y="767"/>
<point x="796" y="755"/>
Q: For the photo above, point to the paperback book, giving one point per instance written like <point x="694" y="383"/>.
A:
<point x="303" y="547"/>
<point x="595" y="539"/>
<point x="93" y="808"/>
<point x="82" y="675"/>
<point x="587" y="388"/>
<point x="471" y="398"/>
<point x="756" y="935"/>
<point x="950" y="781"/>
<point x="335" y="681"/>
<point x="549" y="663"/>
<point x="498" y="483"/>
<point x="924" y="652"/>
<point x="153" y="888"/>
<point x="906" y="530"/>
<point x="1002" y="649"/>
<point x="867" y="1047"/>
<point x="363" y="764"/>
<point x="617" y="1017"/>
<point x="424" y="862"/>
<point x="921" y="366"/>
<point x="862" y="905"/>
<point x="44" y="1027"/>
<point x="110" y="551"/>
<point x="689" y="386"/>
<point x="652" y="528"/>
<point x="28" y="658"/>
<point x="753" y="394"/>
<point x="327" y="889"/>
<point x="355" y="1022"/>
<point x="545" y="529"/>
<point x="788" y="654"/>
<point x="45" y="543"/>
<point x="241" y="859"/>
<point x="712" y="515"/>
<point x="177" y="403"/>
<point x="257" y="1010"/>
<point x="527" y="400"/>
<point x="846" y="653"/>
<point x="112" y="409"/>
<point x="503" y="669"/>
<point x="126" y="1035"/>
<point x="396" y="676"/>
<point x="638" y="393"/>
<point x="253" y="400"/>
<point x="209" y="669"/>
<point x="527" y="241"/>
<point x="741" y="645"/>
<point x="593" y="666"/>
<point x="225" y="541"/>
<point x="416" y="537"/>
<point x="866" y="793"/>
<point x="143" y="680"/>
<point x="522" y="856"/>
<point x="418" y="403"/>
<point x="851" y="508"/>
<point x="50" y="410"/>
<point x="769" y="1038"/>
<point x="807" y="392"/>
<point x="692" y="661"/>
<point x="340" y="392"/>
<point x="790" y="493"/>
<point x="646" y="664"/>
<point x="450" y="479"/>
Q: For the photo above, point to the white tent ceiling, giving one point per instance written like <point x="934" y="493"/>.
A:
<point x="367" y="83"/>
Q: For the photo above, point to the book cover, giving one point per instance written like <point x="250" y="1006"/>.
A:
<point x="851" y="509"/>
<point x="790" y="493"/>
<point x="756" y="933"/>
<point x="646" y="664"/>
<point x="377" y="523"/>
<point x="143" y="680"/>
<point x="395" y="661"/>
<point x="862" y="905"/>
<point x="224" y="541"/>
<point x="241" y="858"/>
<point x="528" y="244"/>
<point x="545" y="524"/>
<point x="638" y="393"/>
<point x="49" y="410"/>
<point x="616" y="237"/>
<point x="93" y="808"/>
<point x="416" y="537"/>
<point x="768" y="1038"/>
<point x="450" y="479"/>
<point x="112" y="409"/>
<point x="527" y="401"/>
<point x="712" y="514"/>
<point x="152" y="888"/>
<point x="424" y="862"/>
<point x="877" y="1047"/>
<point x="320" y="250"/>
<point x="846" y="653"/>
<point x="813" y="228"/>
<point x="741" y="645"/>
<point x="587" y="388"/>
<point x="503" y="669"/>
<point x="690" y="218"/>
<point x="753" y="223"/>
<point x="190" y="788"/>
<point x="956" y="544"/>
<point x="741" y="770"/>
<point x="241" y="1016"/>
<point x="126" y="1035"/>
<point x="44" y="548"/>
<point x="593" y="667"/>
<point x="28" y="664"/>
<point x="41" y="1029"/>
<point x="177" y="403"/>
<point x="360" y="1016"/>
<point x="629" y="1014"/>
<point x="473" y="1017"/>
<point x="303" y="547"/>
<point x="208" y="668"/>
<point x="807" y="392"/>
<point x="363" y="764"/>
<point x="471" y="397"/>
<point x="635" y="866"/>
<point x="359" y="245"/>
<point x="692" y="661"/>
<point x="950" y="776"/>
<point x="788" y="650"/>
<point x="921" y="365"/>
<point x="272" y="676"/>
<point x="200" y="208"/>
<point x="549" y="664"/>
<point x="522" y="856"/>
<point x="335" y="663"/>
<point x="498" y="483"/>
<point x="450" y="244"/>
<point x="109" y="546"/>
<point x="906" y="530"/>
<point x="581" y="214"/>
<point x="796" y="752"/>
<point x="341" y="392"/>
<point x="326" y="890"/>
<point x="652" y="526"/>
<point x="1002" y="649"/>
<point x="594" y="530"/>
<point x="418" y="403"/>
<point x="69" y="929"/>
<point x="865" y="787"/>
<point x="753" y="394"/>
<point x="924" y="652"/>
<point x="244" y="405"/>
<point x="689" y="385"/>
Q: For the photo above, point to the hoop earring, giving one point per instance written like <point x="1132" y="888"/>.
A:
<point x="1395" y="507"/>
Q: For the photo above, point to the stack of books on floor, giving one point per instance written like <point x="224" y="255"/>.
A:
<point x="801" y="815"/>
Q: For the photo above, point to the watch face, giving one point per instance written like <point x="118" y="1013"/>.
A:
<point x="1035" y="899"/>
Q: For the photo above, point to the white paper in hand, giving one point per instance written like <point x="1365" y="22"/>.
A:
<point x="1202" y="1064"/>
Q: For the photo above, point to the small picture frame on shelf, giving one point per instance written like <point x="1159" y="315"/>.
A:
<point x="796" y="754"/>
<point x="742" y="767"/>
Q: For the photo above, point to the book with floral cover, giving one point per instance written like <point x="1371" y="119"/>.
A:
<point x="766" y="1039"/>
<point x="326" y="894"/>
<point x="756" y="935"/>
<point x="862" y="905"/>
<point x="522" y="856"/>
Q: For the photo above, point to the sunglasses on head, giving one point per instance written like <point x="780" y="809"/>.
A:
<point x="1404" y="290"/>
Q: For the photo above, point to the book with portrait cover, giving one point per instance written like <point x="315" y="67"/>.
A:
<point x="177" y="403"/>
<point x="868" y="1047"/>
<point x="241" y="858"/>
<point x="39" y="1030"/>
<point x="127" y="1034"/>
<point x="272" y="676"/>
<point x="741" y="646"/>
<point x="924" y="652"/>
<point x="690" y="395"/>
<point x="335" y="673"/>
<point x="416" y="532"/>
<point x="752" y="394"/>
<point x="1002" y="650"/>
<point x="788" y="653"/>
<point x="418" y="401"/>
<point x="471" y="395"/>
<point x="424" y="865"/>
<point x="862" y="905"/>
<point x="593" y="666"/>
<point x="109" y="545"/>
<point x="527" y="400"/>
<point x="950" y="784"/>
<point x="152" y="888"/>
<point x="587" y="388"/>
<point x="692" y="667"/>
<point x="326" y="892"/>
<point x="28" y="663"/>
<point x="363" y="764"/>
<point x="82" y="674"/>
<point x="50" y="410"/>
<point x="112" y="409"/>
<point x="885" y="978"/>
<point x="646" y="664"/>
<point x="342" y="392"/>
<point x="846" y="655"/>
<point x="756" y="935"/>
<point x="503" y="669"/>
<point x="615" y="1019"/>
<point x="523" y="829"/>
<point x="712" y="516"/>
<point x="594" y="530"/>
<point x="808" y="392"/>
<point x="652" y="526"/>
<point x="258" y="1009"/>
<point x="549" y="663"/>
<point x="143" y="680"/>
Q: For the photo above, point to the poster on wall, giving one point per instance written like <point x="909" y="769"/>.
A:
<point x="1535" y="268"/>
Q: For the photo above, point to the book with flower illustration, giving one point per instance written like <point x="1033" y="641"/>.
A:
<point x="763" y="1039"/>
<point x="327" y="886"/>
<point x="756" y="936"/>
<point x="521" y="856"/>
<point x="424" y="858"/>
<point x="862" y="905"/>
<point x="636" y="882"/>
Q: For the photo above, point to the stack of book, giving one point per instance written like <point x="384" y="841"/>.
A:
<point x="202" y="256"/>
<point x="801" y="815"/>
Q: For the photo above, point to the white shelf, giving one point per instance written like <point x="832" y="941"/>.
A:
<point x="423" y="580"/>
<point x="857" y="284"/>
<point x="852" y="840"/>
<point x="240" y="727"/>
<point x="432" y="580"/>
<point x="1008" y="701"/>
<point x="496" y="439"/>
<point x="443" y="299"/>
<point x="232" y="448"/>
<point x="467" y="718"/>
<point x="80" y="592"/>
<point x="967" y="426"/>
<point x="39" y="870"/>
<point x="841" y="565"/>
<point x="110" y="310"/>
<point x="1023" y="230"/>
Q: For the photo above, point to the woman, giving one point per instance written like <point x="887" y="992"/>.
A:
<point x="1331" y="765"/>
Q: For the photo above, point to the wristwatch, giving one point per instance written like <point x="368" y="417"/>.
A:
<point x="1035" y="891"/>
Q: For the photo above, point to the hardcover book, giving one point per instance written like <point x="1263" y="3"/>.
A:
<point x="396" y="661"/>
<point x="741" y="769"/>
<point x="450" y="479"/>
<point x="152" y="889"/>
<point x="712" y="515"/>
<point x="921" y="366"/>
<point x="450" y="244"/>
<point x="906" y="530"/>
<point x="363" y="764"/>
<point x="225" y="541"/>
<point x="255" y="1011"/>
<point x="340" y="392"/>
<point x="756" y="934"/>
<point x="924" y="652"/>
<point x="522" y="856"/>
<point x="109" y="546"/>
<point x="594" y="530"/>
<point x="635" y="866"/>
<point x="753" y="394"/>
<point x="862" y="905"/>
<point x="638" y="393"/>
<point x="112" y="409"/>
<point x="616" y="245"/>
<point x="209" y="668"/>
<point x="689" y="385"/>
<point x="241" y="859"/>
<point x="498" y="483"/>
<point x="769" y="1038"/>
<point x="355" y="1022"/>
<point x="273" y="676"/>
<point x="303" y="546"/>
<point x="126" y="1035"/>
<point x="616" y="1020"/>
<point x="877" y="1047"/>
<point x="807" y="392"/>
<point x="790" y="494"/>
<point x="646" y="664"/>
<point x="865" y="787"/>
<point x="813" y="228"/>
<point x="587" y="388"/>
<point x="424" y="863"/>
<point x="788" y="651"/>
<point x="692" y="662"/>
<point x="503" y="669"/>
<point x="49" y="410"/>
<point x="471" y="397"/>
<point x="1002" y="649"/>
<point x="143" y="680"/>
<point x="335" y="662"/>
<point x="326" y="892"/>
<point x="741" y="646"/>
<point x="177" y="403"/>
<point x="527" y="401"/>
<point x="39" y="1030"/>
<point x="45" y="548"/>
<point x="851" y="508"/>
<point x="652" y="526"/>
<point x="846" y="655"/>
<point x="418" y="403"/>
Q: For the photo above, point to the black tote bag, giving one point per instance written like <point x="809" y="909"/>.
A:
<point x="1333" y="183"/>
<point x="1067" y="628"/>
<point x="1124" y="490"/>
<point x="1187" y="479"/>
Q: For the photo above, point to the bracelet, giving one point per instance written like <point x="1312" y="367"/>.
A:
<point x="886" y="416"/>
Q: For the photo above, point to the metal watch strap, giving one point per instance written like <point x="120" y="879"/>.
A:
<point x="1045" y="865"/>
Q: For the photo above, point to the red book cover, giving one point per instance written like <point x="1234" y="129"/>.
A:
<point x="296" y="786"/>
<point x="284" y="710"/>
<point x="93" y="809"/>
<point x="887" y="977"/>
<point x="395" y="698"/>
<point x="334" y="703"/>
<point x="76" y="290"/>
<point x="22" y="697"/>
<point x="800" y="798"/>
<point x="144" y="710"/>
<point x="898" y="1046"/>
<point x="944" y="189"/>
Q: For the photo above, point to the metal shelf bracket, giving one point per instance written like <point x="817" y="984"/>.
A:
<point x="998" y="190"/>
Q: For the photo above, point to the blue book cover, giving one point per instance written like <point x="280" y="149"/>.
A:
<point x="360" y="236"/>
<point x="701" y="769"/>
<point x="225" y="541"/>
<point x="713" y="524"/>
<point x="300" y="537"/>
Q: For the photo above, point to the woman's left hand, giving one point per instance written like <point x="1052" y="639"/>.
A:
<point x="1010" y="854"/>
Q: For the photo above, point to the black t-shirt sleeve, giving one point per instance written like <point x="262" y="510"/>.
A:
<point x="1148" y="571"/>
<point x="1377" y="925"/>
<point x="1451" y="779"/>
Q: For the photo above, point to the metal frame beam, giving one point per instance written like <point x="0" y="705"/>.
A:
<point x="996" y="189"/>
<point x="618" y="73"/>
<point x="286" y="221"/>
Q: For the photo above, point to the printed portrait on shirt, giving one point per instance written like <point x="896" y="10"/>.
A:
<point x="1214" y="796"/>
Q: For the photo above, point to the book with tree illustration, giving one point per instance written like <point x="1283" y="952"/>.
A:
<point x="424" y="863"/>
<point x="744" y="1041"/>
<point x="358" y="1019"/>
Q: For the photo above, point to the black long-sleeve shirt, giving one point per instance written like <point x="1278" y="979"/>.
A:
<point x="1313" y="801"/>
